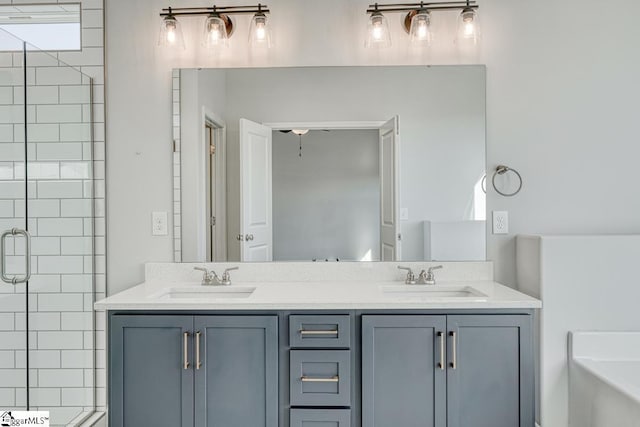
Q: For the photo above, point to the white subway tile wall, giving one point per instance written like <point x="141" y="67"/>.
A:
<point x="66" y="218"/>
<point x="177" y="217"/>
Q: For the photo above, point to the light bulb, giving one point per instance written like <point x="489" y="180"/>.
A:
<point x="468" y="27"/>
<point x="420" y="30"/>
<point x="215" y="32"/>
<point x="378" y="31"/>
<point x="259" y="31"/>
<point x="170" y="33"/>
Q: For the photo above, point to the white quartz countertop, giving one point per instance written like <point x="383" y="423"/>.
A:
<point x="321" y="295"/>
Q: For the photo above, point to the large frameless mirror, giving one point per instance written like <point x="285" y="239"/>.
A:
<point x="329" y="164"/>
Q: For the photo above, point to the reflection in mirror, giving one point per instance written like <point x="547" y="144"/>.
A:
<point x="330" y="164"/>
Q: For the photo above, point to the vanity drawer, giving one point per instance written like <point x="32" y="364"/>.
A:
<point x="320" y="418"/>
<point x="320" y="377"/>
<point x="320" y="331"/>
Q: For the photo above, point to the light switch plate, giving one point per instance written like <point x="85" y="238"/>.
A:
<point x="500" y="222"/>
<point x="159" y="224"/>
<point x="404" y="214"/>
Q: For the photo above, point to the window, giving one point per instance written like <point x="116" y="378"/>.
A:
<point x="51" y="27"/>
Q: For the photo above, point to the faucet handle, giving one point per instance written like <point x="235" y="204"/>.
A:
<point x="209" y="277"/>
<point x="411" y="278"/>
<point x="427" y="277"/>
<point x="226" y="277"/>
<point x="430" y="270"/>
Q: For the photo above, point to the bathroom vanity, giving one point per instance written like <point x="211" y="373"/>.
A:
<point x="330" y="353"/>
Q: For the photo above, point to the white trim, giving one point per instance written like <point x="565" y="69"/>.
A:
<point x="209" y="117"/>
<point x="362" y="124"/>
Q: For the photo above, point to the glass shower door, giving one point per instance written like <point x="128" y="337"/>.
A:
<point x="47" y="336"/>
<point x="13" y="227"/>
<point x="60" y="213"/>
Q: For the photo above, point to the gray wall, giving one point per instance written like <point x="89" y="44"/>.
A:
<point x="561" y="108"/>
<point x="327" y="203"/>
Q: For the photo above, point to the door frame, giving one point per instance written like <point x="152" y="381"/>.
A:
<point x="220" y="134"/>
<point x="332" y="125"/>
<point x="346" y="125"/>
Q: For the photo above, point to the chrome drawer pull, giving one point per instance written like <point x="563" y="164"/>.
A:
<point x="185" y="348"/>
<point x="441" y="363"/>
<point x="320" y="380"/>
<point x="310" y="332"/>
<point x="198" y="362"/>
<point x="454" y="350"/>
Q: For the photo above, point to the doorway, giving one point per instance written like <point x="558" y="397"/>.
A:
<point x="215" y="191"/>
<point x="257" y="225"/>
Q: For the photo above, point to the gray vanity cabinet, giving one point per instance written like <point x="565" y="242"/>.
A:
<point x="402" y="381"/>
<point x="449" y="370"/>
<point x="237" y="379"/>
<point x="317" y="369"/>
<point x="490" y="372"/>
<point x="150" y="383"/>
<point x="181" y="370"/>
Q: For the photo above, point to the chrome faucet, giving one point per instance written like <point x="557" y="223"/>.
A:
<point x="427" y="277"/>
<point x="411" y="278"/>
<point x="210" y="278"/>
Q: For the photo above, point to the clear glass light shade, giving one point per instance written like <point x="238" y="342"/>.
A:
<point x="215" y="32"/>
<point x="260" y="31"/>
<point x="378" y="31"/>
<point x="420" y="30"/>
<point x="468" y="27"/>
<point x="171" y="33"/>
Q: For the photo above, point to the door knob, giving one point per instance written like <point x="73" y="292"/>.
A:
<point x="249" y="237"/>
<point x="240" y="237"/>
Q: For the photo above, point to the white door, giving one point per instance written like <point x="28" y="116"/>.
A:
<point x="390" y="237"/>
<point x="256" y="225"/>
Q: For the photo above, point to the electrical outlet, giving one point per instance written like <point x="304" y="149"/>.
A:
<point x="500" y="222"/>
<point x="159" y="224"/>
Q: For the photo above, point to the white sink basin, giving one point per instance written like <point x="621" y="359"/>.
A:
<point x="430" y="292"/>
<point x="207" y="292"/>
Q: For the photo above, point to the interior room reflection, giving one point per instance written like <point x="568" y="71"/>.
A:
<point x="330" y="164"/>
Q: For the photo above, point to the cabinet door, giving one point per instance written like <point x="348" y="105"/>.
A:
<point x="403" y="372"/>
<point x="237" y="381"/>
<point x="150" y="370"/>
<point x="490" y="373"/>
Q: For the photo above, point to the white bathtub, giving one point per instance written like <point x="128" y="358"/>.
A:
<point x="604" y="379"/>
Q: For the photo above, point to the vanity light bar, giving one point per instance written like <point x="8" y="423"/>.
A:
<point x="408" y="7"/>
<point x="417" y="22"/>
<point x="204" y="11"/>
<point x="218" y="26"/>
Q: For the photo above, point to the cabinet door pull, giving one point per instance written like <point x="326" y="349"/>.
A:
<point x="320" y="380"/>
<point x="198" y="362"/>
<point x="442" y="362"/>
<point x="454" y="350"/>
<point x="304" y="332"/>
<point x="185" y="349"/>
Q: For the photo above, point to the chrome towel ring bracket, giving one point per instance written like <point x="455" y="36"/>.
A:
<point x="501" y="170"/>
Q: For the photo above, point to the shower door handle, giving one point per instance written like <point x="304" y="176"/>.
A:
<point x="3" y="258"/>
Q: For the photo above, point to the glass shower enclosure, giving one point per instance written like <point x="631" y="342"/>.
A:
<point x="47" y="337"/>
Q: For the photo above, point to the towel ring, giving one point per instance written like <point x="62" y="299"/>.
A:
<point x="483" y="183"/>
<point x="501" y="170"/>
